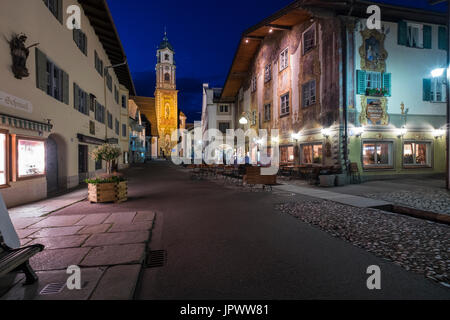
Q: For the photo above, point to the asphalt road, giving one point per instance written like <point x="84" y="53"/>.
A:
<point x="227" y="244"/>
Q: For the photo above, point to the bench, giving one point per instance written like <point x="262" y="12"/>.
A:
<point x="253" y="177"/>
<point x="12" y="260"/>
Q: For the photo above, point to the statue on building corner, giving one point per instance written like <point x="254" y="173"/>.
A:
<point x="20" y="53"/>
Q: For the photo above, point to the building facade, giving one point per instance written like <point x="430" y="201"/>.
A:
<point x="59" y="98"/>
<point x="340" y="93"/>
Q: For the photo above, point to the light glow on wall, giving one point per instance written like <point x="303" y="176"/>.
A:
<point x="31" y="157"/>
<point x="2" y="158"/>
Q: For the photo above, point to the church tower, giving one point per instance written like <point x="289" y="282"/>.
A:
<point x="166" y="96"/>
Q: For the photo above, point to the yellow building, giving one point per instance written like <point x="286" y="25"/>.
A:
<point x="162" y="110"/>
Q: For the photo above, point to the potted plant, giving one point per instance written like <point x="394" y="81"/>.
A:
<point x="327" y="179"/>
<point x="377" y="92"/>
<point x="109" y="187"/>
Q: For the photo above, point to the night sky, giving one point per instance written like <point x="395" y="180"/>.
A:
<point x="205" y="35"/>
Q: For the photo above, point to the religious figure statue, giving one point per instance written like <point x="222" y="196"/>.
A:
<point x="20" y="53"/>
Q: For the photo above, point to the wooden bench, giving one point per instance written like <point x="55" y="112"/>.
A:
<point x="12" y="260"/>
<point x="253" y="177"/>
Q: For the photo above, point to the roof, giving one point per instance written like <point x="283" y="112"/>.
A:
<point x="299" y="12"/>
<point x="165" y="43"/>
<point x="147" y="106"/>
<point x="132" y="110"/>
<point x="101" y="20"/>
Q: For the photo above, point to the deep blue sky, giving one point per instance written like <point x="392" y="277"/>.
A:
<point x="204" y="33"/>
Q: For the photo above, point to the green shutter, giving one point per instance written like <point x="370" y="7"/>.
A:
<point x="426" y="89"/>
<point x="65" y="87"/>
<point x="60" y="11"/>
<point x="402" y="33"/>
<point x="41" y="70"/>
<point x="387" y="83"/>
<point x="427" y="37"/>
<point x="361" y="82"/>
<point x="76" y="97"/>
<point x="443" y="40"/>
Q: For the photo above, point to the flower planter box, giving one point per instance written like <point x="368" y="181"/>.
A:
<point x="108" y="192"/>
<point x="327" y="181"/>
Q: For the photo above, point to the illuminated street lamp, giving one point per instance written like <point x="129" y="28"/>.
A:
<point x="244" y="119"/>
<point x="402" y="132"/>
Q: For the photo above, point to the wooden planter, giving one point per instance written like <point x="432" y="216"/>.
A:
<point x="108" y="192"/>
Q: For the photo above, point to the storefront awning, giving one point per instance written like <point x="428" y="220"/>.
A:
<point x="21" y="123"/>
<point x="90" y="140"/>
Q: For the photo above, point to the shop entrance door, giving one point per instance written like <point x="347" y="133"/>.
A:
<point x="51" y="165"/>
<point x="82" y="162"/>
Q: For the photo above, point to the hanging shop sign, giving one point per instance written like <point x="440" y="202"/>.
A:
<point x="90" y="140"/>
<point x="374" y="111"/>
<point x="13" y="102"/>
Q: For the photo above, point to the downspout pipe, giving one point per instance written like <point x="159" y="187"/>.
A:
<point x="344" y="89"/>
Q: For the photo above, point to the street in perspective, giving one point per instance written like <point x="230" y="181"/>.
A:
<point x="224" y="158"/>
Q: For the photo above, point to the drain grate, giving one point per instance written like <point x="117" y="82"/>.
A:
<point x="156" y="259"/>
<point x="52" y="288"/>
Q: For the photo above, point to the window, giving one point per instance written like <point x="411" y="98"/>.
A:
<point x="167" y="77"/>
<point x="80" y="100"/>
<point x="373" y="83"/>
<point x="56" y="82"/>
<point x="108" y="81"/>
<point x="55" y="7"/>
<point x="3" y="177"/>
<point x="416" y="154"/>
<point x="92" y="127"/>
<point x="254" y="118"/>
<point x="224" y="108"/>
<point x="98" y="64"/>
<point x="377" y="154"/>
<point x="415" y="35"/>
<point x="99" y="113"/>
<point x="124" y="101"/>
<point x="309" y="93"/>
<point x="284" y="59"/>
<point x="116" y="94"/>
<point x="285" y="104"/>
<point x="309" y="39"/>
<point x="92" y="100"/>
<point x="80" y="39"/>
<point x="253" y="84"/>
<point x="224" y="126"/>
<point x="166" y="57"/>
<point x="268" y="73"/>
<point x="267" y="112"/>
<point x="287" y="154"/>
<point x="30" y="158"/>
<point x="110" y="120"/>
<point x="117" y="127"/>
<point x="434" y="90"/>
<point x="124" y="130"/>
<point x="311" y="153"/>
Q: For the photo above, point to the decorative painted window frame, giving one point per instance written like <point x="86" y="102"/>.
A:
<point x="313" y="26"/>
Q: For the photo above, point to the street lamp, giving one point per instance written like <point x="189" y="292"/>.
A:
<point x="402" y="132"/>
<point x="244" y="118"/>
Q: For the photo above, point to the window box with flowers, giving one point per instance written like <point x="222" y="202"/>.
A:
<point x="111" y="187"/>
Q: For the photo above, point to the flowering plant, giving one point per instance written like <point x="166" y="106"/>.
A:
<point x="107" y="153"/>
<point x="379" y="92"/>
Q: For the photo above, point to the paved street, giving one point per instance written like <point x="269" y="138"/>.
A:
<point x="222" y="242"/>
<point x="226" y="244"/>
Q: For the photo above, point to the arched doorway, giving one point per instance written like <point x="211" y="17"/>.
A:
<point x="51" y="159"/>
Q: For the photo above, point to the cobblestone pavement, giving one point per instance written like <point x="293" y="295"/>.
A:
<point x="435" y="201"/>
<point x="417" y="245"/>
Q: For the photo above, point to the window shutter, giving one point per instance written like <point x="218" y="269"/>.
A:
<point x="41" y="70"/>
<point x="60" y="10"/>
<point x="426" y="89"/>
<point x="443" y="41"/>
<point x="85" y="44"/>
<point x="387" y="83"/>
<point x="402" y="33"/>
<point x="86" y="101"/>
<point x="427" y="37"/>
<point x="361" y="81"/>
<point x="76" y="98"/>
<point x="65" y="88"/>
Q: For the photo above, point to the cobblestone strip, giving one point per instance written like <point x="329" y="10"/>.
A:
<point x="420" y="246"/>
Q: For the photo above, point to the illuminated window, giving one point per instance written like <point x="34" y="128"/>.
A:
<point x="287" y="154"/>
<point x="377" y="154"/>
<point x="311" y="153"/>
<point x="2" y="159"/>
<point x="30" y="158"/>
<point x="416" y="154"/>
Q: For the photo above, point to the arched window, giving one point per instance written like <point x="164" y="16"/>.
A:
<point x="167" y="77"/>
<point x="166" y="57"/>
